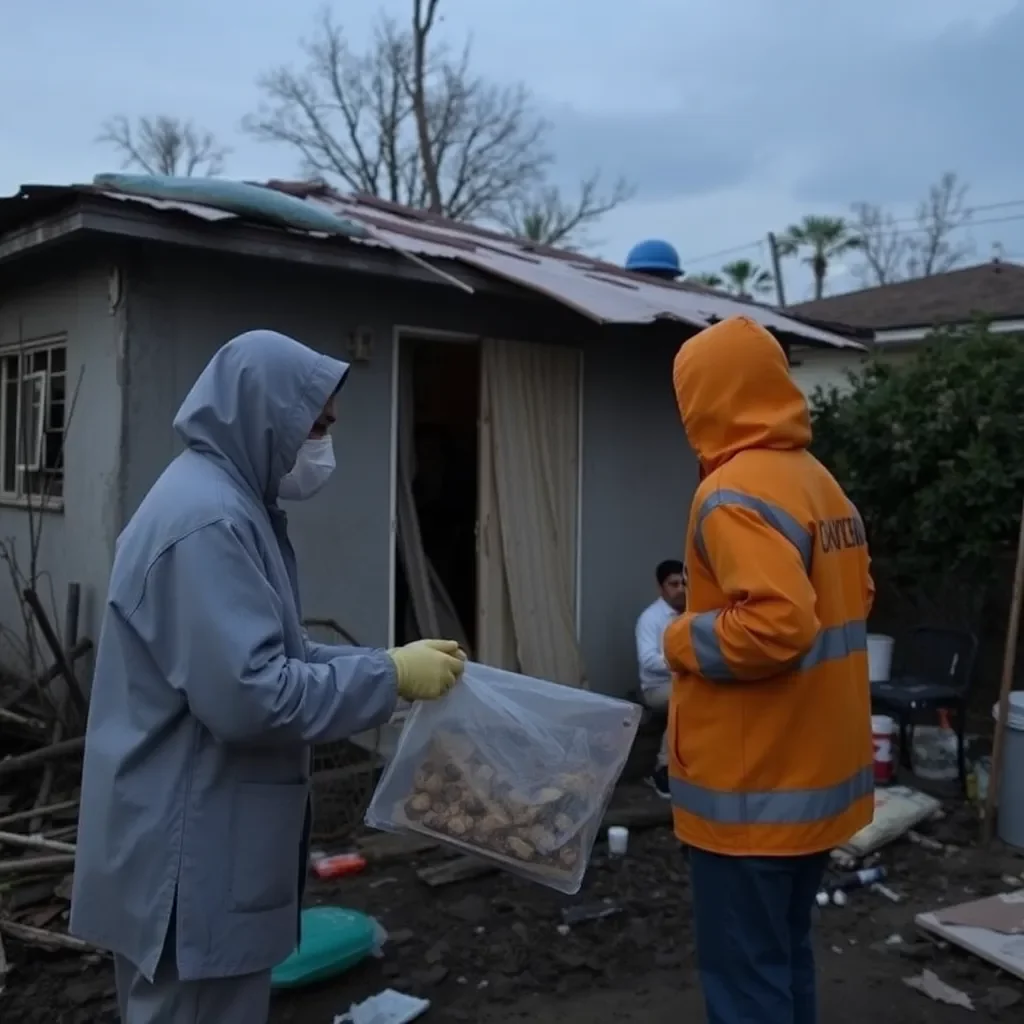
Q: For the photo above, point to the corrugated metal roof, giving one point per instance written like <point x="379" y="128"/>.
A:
<point x="602" y="291"/>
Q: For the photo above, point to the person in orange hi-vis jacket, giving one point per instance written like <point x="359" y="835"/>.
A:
<point x="770" y="752"/>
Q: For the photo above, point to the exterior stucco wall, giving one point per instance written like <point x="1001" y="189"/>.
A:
<point x="815" y="368"/>
<point x="69" y="296"/>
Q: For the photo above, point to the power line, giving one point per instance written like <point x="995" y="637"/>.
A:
<point x="963" y="225"/>
<point x="724" y="252"/>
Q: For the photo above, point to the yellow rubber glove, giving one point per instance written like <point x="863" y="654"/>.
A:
<point x="427" y="669"/>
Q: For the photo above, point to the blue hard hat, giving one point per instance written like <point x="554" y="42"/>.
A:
<point x="653" y="255"/>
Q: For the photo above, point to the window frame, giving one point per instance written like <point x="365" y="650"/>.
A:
<point x="21" y="496"/>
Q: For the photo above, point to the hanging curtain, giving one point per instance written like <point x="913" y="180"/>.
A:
<point x="533" y="395"/>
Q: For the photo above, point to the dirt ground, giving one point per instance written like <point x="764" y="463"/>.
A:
<point x="491" y="950"/>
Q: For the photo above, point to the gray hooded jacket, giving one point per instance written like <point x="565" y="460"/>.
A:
<point x="207" y="693"/>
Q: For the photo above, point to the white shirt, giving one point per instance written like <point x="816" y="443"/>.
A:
<point x="650" y="631"/>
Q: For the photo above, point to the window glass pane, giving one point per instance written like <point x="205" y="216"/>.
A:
<point x="52" y="454"/>
<point x="57" y="359"/>
<point x="55" y="419"/>
<point x="10" y="459"/>
<point x="30" y="438"/>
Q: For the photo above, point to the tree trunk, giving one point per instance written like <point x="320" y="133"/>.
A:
<point x="422" y="22"/>
<point x="820" y="269"/>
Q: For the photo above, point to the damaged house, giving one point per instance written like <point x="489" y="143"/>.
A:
<point x="511" y="465"/>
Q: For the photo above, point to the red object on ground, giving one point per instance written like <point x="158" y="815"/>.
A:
<point x="339" y="865"/>
<point x="882" y="729"/>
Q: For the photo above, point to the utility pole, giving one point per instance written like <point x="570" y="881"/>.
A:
<point x="780" y="291"/>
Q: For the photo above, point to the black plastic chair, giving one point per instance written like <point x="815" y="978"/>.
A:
<point x="933" y="672"/>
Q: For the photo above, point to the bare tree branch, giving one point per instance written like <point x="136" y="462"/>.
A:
<point x="409" y="121"/>
<point x="165" y="145"/>
<point x="895" y="251"/>
<point x="423" y="16"/>
<point x="549" y="218"/>
<point x="938" y="215"/>
<point x="884" y="246"/>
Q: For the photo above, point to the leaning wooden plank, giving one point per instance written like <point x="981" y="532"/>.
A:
<point x="34" y="843"/>
<point x="383" y="847"/>
<point x="13" y="819"/>
<point x="41" y="681"/>
<point x="22" y="721"/>
<point x="26" y="865"/>
<point x="42" y="938"/>
<point x="75" y="691"/>
<point x="34" y="758"/>
<point x="460" y="869"/>
<point x="646" y="815"/>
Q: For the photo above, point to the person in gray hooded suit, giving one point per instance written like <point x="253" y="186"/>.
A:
<point x="207" y="695"/>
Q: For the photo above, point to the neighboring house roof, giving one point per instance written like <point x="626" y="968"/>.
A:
<point x="601" y="291"/>
<point x="994" y="290"/>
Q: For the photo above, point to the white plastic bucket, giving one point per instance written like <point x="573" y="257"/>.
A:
<point x="879" y="657"/>
<point x="1015" y="711"/>
<point x="1011" y="784"/>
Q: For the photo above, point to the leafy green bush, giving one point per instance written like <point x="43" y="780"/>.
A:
<point x="932" y="451"/>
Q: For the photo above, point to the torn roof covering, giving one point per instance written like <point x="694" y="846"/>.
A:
<point x="601" y="291"/>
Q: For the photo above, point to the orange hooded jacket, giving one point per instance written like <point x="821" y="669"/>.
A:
<point x="770" y="716"/>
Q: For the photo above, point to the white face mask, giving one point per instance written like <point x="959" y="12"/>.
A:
<point x="312" y="469"/>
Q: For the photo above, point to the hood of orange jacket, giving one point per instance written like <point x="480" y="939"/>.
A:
<point x="734" y="392"/>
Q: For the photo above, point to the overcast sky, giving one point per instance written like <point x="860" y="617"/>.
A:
<point x="732" y="118"/>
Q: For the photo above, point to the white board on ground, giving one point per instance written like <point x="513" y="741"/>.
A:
<point x="1000" y="945"/>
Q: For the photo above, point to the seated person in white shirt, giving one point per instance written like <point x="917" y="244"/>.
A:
<point x="655" y="677"/>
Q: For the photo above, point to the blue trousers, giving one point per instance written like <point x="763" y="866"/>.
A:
<point x="752" y="918"/>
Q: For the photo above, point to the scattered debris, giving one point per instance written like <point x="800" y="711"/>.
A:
<point x="41" y="728"/>
<point x="890" y="894"/>
<point x="589" y="912"/>
<point x="336" y="865"/>
<point x="458" y="869"/>
<point x="991" y="928"/>
<point x="387" y="1007"/>
<point x="930" y="984"/>
<point x="1000" y="997"/>
<point x="898" y="809"/>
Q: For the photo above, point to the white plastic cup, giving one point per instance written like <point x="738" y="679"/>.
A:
<point x="618" y="840"/>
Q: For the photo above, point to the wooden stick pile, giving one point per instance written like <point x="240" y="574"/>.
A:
<point x="42" y="722"/>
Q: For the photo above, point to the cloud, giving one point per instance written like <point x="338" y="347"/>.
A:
<point x="663" y="155"/>
<point x="843" y="102"/>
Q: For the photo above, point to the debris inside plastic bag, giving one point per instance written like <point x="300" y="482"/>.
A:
<point x="511" y="769"/>
<point x="387" y="1007"/>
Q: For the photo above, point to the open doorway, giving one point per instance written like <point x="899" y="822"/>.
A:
<point x="438" y="423"/>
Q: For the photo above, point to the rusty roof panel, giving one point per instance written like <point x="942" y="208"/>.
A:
<point x="602" y="291"/>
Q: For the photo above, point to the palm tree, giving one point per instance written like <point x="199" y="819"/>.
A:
<point x="746" y="279"/>
<point x="827" y="238"/>
<point x="707" y="280"/>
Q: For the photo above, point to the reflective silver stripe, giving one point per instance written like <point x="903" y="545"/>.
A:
<point x="834" y="643"/>
<point x="706" y="648"/>
<point x="776" y="517"/>
<point x="831" y="644"/>
<point x="781" y="807"/>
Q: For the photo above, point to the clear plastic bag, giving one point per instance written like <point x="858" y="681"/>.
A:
<point x="511" y="769"/>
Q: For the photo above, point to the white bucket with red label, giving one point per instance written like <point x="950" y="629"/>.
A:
<point x="883" y="729"/>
